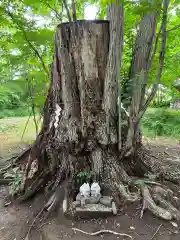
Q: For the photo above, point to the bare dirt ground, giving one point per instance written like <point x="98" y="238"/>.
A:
<point x="15" y="220"/>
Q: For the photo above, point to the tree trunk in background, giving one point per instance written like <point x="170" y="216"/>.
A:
<point x="138" y="79"/>
<point x="82" y="130"/>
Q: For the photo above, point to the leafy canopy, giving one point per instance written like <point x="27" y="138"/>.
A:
<point x="26" y="43"/>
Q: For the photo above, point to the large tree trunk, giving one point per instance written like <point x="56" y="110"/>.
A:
<point x="81" y="130"/>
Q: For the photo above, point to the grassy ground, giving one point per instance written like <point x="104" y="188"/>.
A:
<point x="12" y="139"/>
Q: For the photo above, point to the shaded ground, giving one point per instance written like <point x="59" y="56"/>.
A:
<point x="15" y="220"/>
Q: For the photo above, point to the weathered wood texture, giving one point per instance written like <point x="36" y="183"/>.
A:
<point x="82" y="50"/>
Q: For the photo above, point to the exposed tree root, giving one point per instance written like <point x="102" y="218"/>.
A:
<point x="125" y="194"/>
<point x="160" y="195"/>
<point x="155" y="196"/>
<point x="159" y="165"/>
<point x="167" y="205"/>
<point x="35" y="186"/>
<point x="148" y="203"/>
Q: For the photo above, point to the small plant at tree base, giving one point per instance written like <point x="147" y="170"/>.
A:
<point x="83" y="177"/>
<point x="151" y="176"/>
<point x="16" y="175"/>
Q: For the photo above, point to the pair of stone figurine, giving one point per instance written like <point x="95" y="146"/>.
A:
<point x="92" y="195"/>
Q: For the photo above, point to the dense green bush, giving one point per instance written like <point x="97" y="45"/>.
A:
<point x="160" y="104"/>
<point x="12" y="95"/>
<point x="17" y="112"/>
<point x="161" y="122"/>
<point x="15" y="99"/>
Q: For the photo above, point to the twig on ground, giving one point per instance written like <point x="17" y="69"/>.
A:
<point x="101" y="232"/>
<point x="156" y="231"/>
<point x="44" y="223"/>
<point x="32" y="224"/>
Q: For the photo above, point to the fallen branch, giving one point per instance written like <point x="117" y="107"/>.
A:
<point x="26" y="125"/>
<point x="156" y="231"/>
<point x="101" y="232"/>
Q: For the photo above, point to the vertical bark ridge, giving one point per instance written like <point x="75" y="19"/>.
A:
<point x="70" y="97"/>
<point x="141" y="55"/>
<point x="115" y="15"/>
<point x="68" y="77"/>
<point x="90" y="62"/>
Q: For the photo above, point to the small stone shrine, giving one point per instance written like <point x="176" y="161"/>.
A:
<point x="90" y="199"/>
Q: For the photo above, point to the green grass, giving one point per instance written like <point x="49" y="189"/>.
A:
<point x="161" y="122"/>
<point x="11" y="131"/>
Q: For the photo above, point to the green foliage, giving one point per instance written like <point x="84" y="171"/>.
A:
<point x="13" y="99"/>
<point x="160" y="104"/>
<point x="161" y="122"/>
<point x="26" y="45"/>
<point x="11" y="96"/>
<point x="26" y="49"/>
<point x="164" y="97"/>
<point x="18" y="112"/>
<point x="83" y="177"/>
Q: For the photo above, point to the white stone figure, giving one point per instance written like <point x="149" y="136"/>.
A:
<point x="95" y="189"/>
<point x="85" y="190"/>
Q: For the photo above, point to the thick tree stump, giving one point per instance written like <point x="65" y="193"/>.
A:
<point x="82" y="127"/>
<point x="74" y="136"/>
